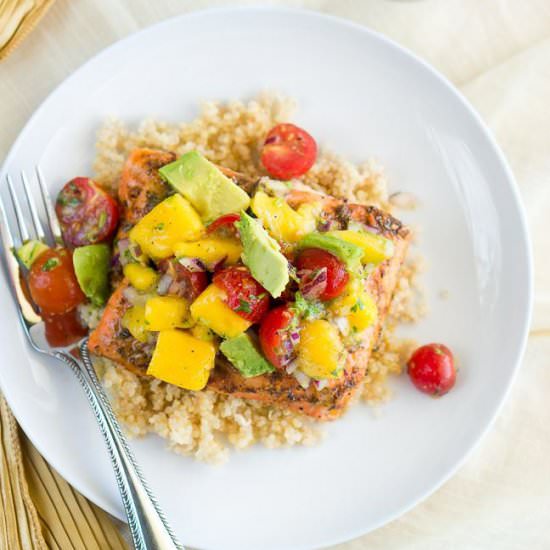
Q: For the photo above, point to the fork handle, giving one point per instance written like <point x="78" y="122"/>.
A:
<point x="148" y="526"/>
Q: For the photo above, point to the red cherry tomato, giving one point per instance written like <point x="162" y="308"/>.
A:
<point x="245" y="295"/>
<point x="275" y="336"/>
<point x="64" y="329"/>
<point x="87" y="214"/>
<point x="225" y="222"/>
<point x="52" y="282"/>
<point x="182" y="281"/>
<point x="432" y="370"/>
<point x="288" y="152"/>
<point x="322" y="275"/>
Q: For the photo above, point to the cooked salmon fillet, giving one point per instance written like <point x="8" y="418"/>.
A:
<point x="141" y="189"/>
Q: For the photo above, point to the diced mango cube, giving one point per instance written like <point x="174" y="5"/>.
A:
<point x="284" y="223"/>
<point x="134" y="322"/>
<point x="357" y="305"/>
<point x="211" y="310"/>
<point x="140" y="276"/>
<point x="170" y="222"/>
<point x="182" y="360"/>
<point x="320" y="350"/>
<point x="376" y="248"/>
<point x="210" y="250"/>
<point x="165" y="312"/>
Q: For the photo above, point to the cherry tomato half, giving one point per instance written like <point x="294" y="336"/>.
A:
<point x="432" y="370"/>
<point x="52" y="282"/>
<point x="288" y="152"/>
<point x="184" y="282"/>
<point x="275" y="336"/>
<point x="64" y="329"/>
<point x="322" y="275"/>
<point x="87" y="214"/>
<point x="245" y="295"/>
<point x="225" y="223"/>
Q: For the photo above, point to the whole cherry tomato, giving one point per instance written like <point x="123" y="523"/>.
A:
<point x="432" y="369"/>
<point x="87" y="214"/>
<point x="52" y="282"/>
<point x="322" y="275"/>
<point x="288" y="152"/>
<point x="245" y="295"/>
<point x="278" y="336"/>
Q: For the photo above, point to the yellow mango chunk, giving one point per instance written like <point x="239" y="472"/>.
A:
<point x="182" y="360"/>
<point x="165" y="312"/>
<point x="134" y="322"/>
<point x="140" y="276"/>
<point x="282" y="222"/>
<point x="376" y="248"/>
<point x="170" y="222"/>
<point x="356" y="305"/>
<point x="211" y="310"/>
<point x="320" y="351"/>
<point x="210" y="250"/>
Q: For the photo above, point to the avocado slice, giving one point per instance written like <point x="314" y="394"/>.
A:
<point x="30" y="251"/>
<point x="91" y="267"/>
<point x="349" y="253"/>
<point x="211" y="193"/>
<point x="262" y="255"/>
<point x="244" y="355"/>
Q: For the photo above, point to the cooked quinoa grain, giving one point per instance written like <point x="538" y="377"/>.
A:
<point x="205" y="424"/>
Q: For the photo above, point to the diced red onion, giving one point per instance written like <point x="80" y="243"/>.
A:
<point x="218" y="264"/>
<point x="164" y="284"/>
<point x="115" y="260"/>
<point x="313" y="288"/>
<point x="131" y="294"/>
<point x="294" y="337"/>
<point x="192" y="264"/>
<point x="342" y="324"/>
<point x="135" y="250"/>
<point x="303" y="379"/>
<point x="321" y="384"/>
<point x="291" y="367"/>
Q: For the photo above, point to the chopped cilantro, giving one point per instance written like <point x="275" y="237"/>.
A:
<point x="51" y="263"/>
<point x="243" y="306"/>
<point x="102" y="219"/>
<point x="159" y="227"/>
<point x="307" y="309"/>
<point x="358" y="306"/>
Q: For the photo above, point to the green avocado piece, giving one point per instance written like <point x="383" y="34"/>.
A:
<point x="262" y="255"/>
<point x="28" y="252"/>
<point x="91" y="267"/>
<point x="211" y="193"/>
<point x="244" y="355"/>
<point x="349" y="253"/>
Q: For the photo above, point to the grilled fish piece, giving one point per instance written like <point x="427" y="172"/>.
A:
<point x="141" y="189"/>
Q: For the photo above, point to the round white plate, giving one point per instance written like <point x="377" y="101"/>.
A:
<point x="359" y="95"/>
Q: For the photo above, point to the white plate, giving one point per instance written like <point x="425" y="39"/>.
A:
<point x="362" y="96"/>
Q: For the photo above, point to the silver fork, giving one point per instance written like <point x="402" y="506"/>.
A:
<point x="148" y="526"/>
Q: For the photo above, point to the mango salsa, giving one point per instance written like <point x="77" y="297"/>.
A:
<point x="284" y="223"/>
<point x="134" y="322"/>
<point x="375" y="248"/>
<point x="211" y="310"/>
<point x="165" y="312"/>
<point x="210" y="250"/>
<point x="140" y="276"/>
<point x="320" y="351"/>
<point x="170" y="222"/>
<point x="182" y="360"/>
<point x="356" y="305"/>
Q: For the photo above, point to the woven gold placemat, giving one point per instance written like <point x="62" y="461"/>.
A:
<point x="17" y="19"/>
<point x="40" y="510"/>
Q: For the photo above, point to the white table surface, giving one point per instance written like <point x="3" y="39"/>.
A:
<point x="498" y="53"/>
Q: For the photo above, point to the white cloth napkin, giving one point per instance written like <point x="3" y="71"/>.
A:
<point x="498" y="53"/>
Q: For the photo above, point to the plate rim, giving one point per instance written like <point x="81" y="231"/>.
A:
<point x="511" y="183"/>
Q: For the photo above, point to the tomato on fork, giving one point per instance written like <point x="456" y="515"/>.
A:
<point x="87" y="214"/>
<point x="53" y="284"/>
